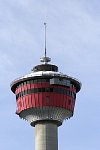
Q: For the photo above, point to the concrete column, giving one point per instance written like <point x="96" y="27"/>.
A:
<point x="46" y="136"/>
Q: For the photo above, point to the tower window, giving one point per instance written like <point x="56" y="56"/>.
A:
<point x="47" y="89"/>
<point x="35" y="81"/>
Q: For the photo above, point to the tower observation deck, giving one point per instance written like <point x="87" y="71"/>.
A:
<point x="45" y="98"/>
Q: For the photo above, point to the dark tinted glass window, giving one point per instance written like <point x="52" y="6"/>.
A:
<point x="28" y="91"/>
<point x="39" y="81"/>
<point x="40" y="90"/>
<point x="19" y="85"/>
<point x="43" y="80"/>
<point x="67" y="92"/>
<point x="54" y="89"/>
<point x="35" y="90"/>
<point x="58" y="90"/>
<point x="35" y="81"/>
<point x="32" y="90"/>
<point x="64" y="91"/>
<point x="21" y="94"/>
<point x="25" y="92"/>
<point x="43" y="89"/>
<point x="47" y="89"/>
<point x="51" y="89"/>
<point x="47" y="80"/>
<point x="28" y="82"/>
<point x="31" y="81"/>
<point x="24" y="82"/>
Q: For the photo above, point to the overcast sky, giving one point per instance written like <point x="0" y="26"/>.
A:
<point x="73" y="43"/>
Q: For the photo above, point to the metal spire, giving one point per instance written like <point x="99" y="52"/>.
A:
<point x="45" y="59"/>
<point x="45" y="38"/>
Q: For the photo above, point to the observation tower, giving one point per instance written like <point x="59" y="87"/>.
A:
<point x="45" y="98"/>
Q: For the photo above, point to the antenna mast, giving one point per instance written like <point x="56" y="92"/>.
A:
<point x="45" y="59"/>
<point x="45" y="39"/>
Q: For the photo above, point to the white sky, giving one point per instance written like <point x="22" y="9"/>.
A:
<point x="73" y="43"/>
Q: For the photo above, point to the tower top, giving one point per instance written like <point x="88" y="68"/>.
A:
<point x="45" y="39"/>
<point x="45" y="59"/>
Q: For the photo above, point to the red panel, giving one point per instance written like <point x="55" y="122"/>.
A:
<point x="52" y="99"/>
<point x="71" y="88"/>
<point x="22" y="89"/>
<point x="36" y="100"/>
<point x="57" y="100"/>
<point x="73" y="104"/>
<point x="40" y="99"/>
<point x="70" y="103"/>
<point x="40" y="85"/>
<point x="19" y="105"/>
<point x="19" y="89"/>
<point x="27" y="101"/>
<point x="22" y="107"/>
<point x="74" y="89"/>
<point x="48" y="99"/>
<point x="30" y="102"/>
<point x="43" y="99"/>
<point x="67" y="102"/>
<point x="28" y="86"/>
<point x="32" y="86"/>
<point x="33" y="101"/>
<point x="65" y="99"/>
<point x="25" y="87"/>
<point x="61" y="97"/>
<point x="35" y="86"/>
<point x="64" y="105"/>
<point x="16" y="92"/>
<point x="64" y="102"/>
<point x="24" y="102"/>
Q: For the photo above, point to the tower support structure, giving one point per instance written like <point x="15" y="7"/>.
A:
<point x="46" y="136"/>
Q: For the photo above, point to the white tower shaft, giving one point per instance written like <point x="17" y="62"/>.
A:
<point x="46" y="136"/>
